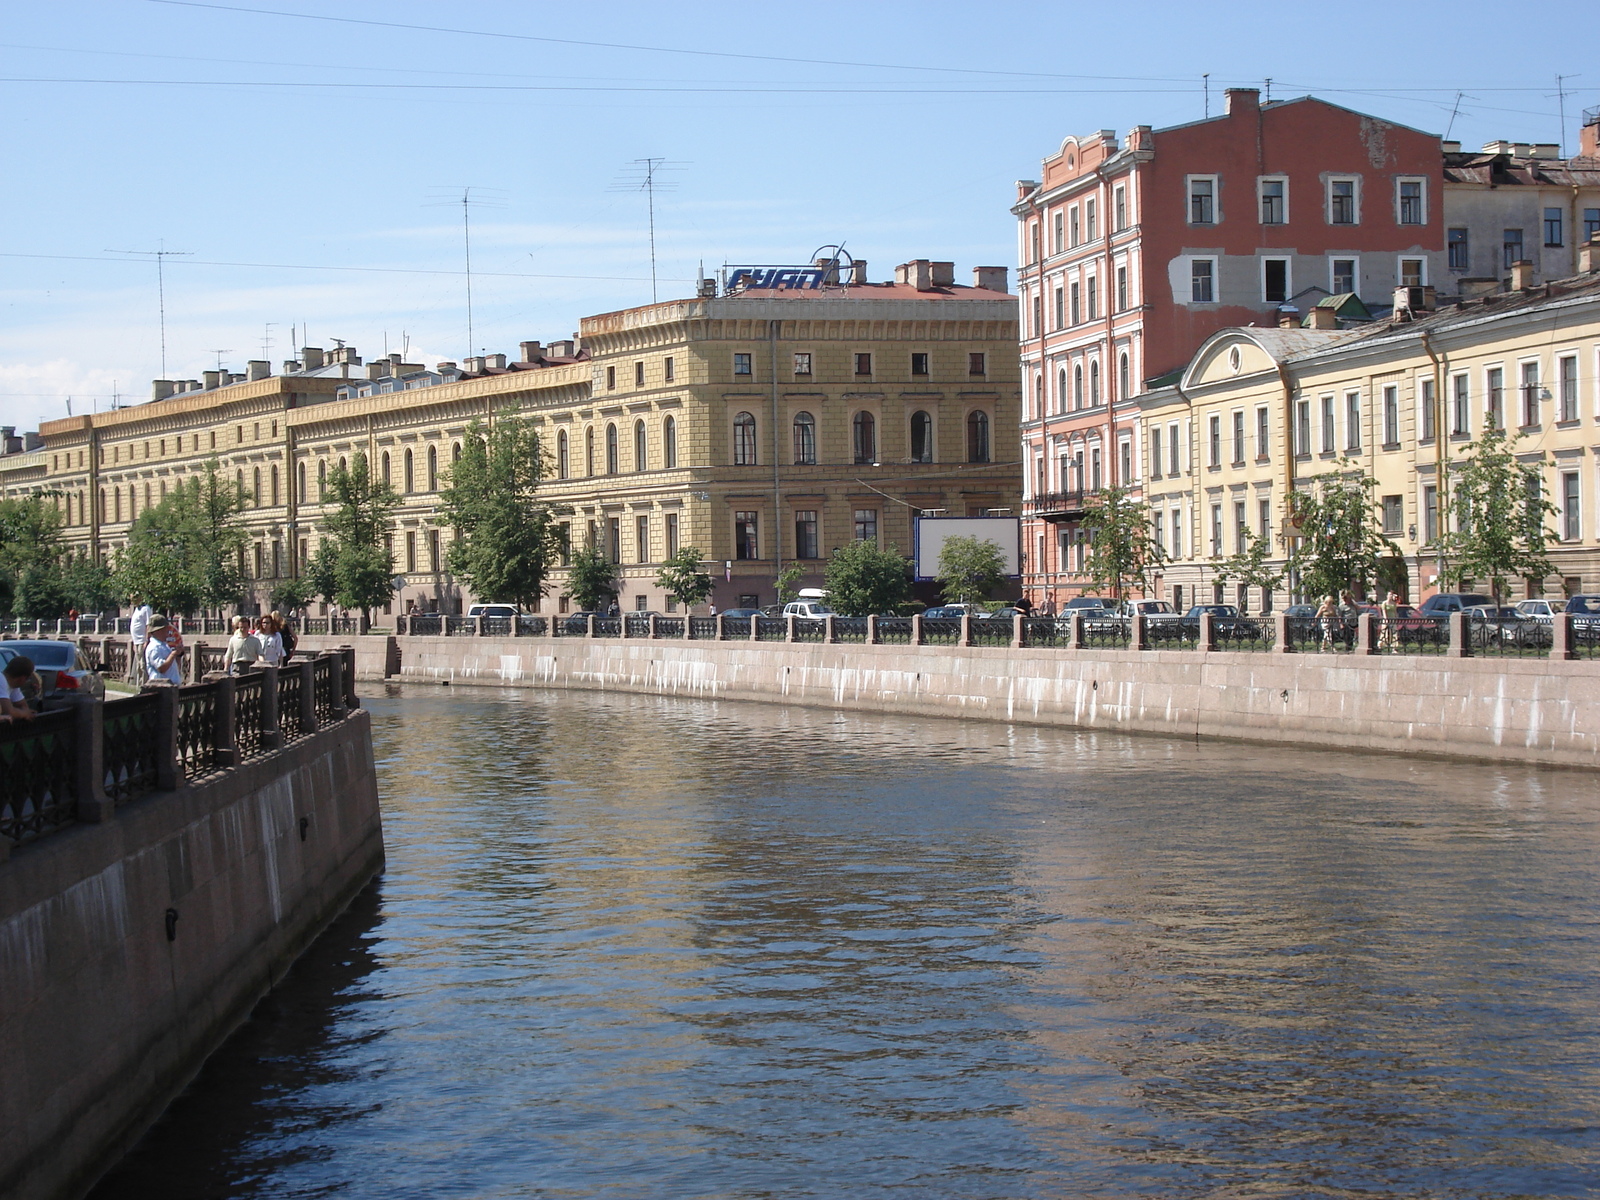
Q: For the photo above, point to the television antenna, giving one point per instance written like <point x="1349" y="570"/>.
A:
<point x="468" y="201"/>
<point x="645" y="175"/>
<point x="219" y="354"/>
<point x="160" y="255"/>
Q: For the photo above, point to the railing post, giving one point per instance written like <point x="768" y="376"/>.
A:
<point x="1208" y="634"/>
<point x="271" y="734"/>
<point x="1280" y="634"/>
<point x="722" y="634"/>
<point x="872" y="629"/>
<point x="652" y="623"/>
<point x="589" y="622"/>
<point x="966" y="629"/>
<point x="916" y="629"/>
<point x="347" y="655"/>
<point x="444" y="625"/>
<point x="1016" y="631"/>
<point x="402" y="624"/>
<point x="1561" y="636"/>
<point x="1075" y="636"/>
<point x="1138" y="634"/>
<point x="224" y="736"/>
<point x="788" y="627"/>
<point x="89" y="765"/>
<point x="336" y="685"/>
<point x="477" y="625"/>
<point x="169" y="766"/>
<point x="688" y="617"/>
<point x="1367" y="634"/>
<point x="755" y="628"/>
<point x="308" y="694"/>
<point x="827" y="629"/>
<point x="1460" y="636"/>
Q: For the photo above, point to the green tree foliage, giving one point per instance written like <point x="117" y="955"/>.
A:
<point x="293" y="595"/>
<point x="970" y="568"/>
<point x="1500" y="513"/>
<point x="31" y="557"/>
<point x="1250" y="566"/>
<point x="184" y="554"/>
<point x="1122" y="550"/>
<point x="683" y="579"/>
<point x="506" y="539"/>
<point x="863" y="579"/>
<point x="592" y="580"/>
<point x="89" y="586"/>
<point x="789" y="582"/>
<point x="1333" y="532"/>
<point x="354" y="568"/>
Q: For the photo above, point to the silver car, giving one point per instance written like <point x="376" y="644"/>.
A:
<point x="62" y="668"/>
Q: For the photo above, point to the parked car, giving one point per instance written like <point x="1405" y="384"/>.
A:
<point x="736" y="614"/>
<point x="62" y="668"/>
<point x="1227" y="623"/>
<point x="1446" y="603"/>
<point x="1300" y="612"/>
<point x="1085" y="602"/>
<point x="946" y="612"/>
<point x="577" y="624"/>
<point x="807" y="610"/>
<point x="1585" y="612"/>
<point x="494" y="610"/>
<point x="1504" y="624"/>
<point x="1002" y="614"/>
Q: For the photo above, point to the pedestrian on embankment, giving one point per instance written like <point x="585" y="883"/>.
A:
<point x="14" y="703"/>
<point x="164" y="652"/>
<point x="138" y="634"/>
<point x="244" y="648"/>
<point x="271" y="641"/>
<point x="1328" y="621"/>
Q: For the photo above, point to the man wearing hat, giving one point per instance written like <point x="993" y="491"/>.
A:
<point x="164" y="651"/>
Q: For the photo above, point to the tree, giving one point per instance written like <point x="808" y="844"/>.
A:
<point x="356" y="568"/>
<point x="1123" y="551"/>
<point x="31" y="556"/>
<point x="592" y="580"/>
<point x="1333" y="532"/>
<point x="506" y="539"/>
<point x="789" y="582"/>
<point x="293" y="595"/>
<point x="184" y="554"/>
<point x="1249" y="566"/>
<point x="1500" y="512"/>
<point x="89" y="586"/>
<point x="970" y="568"/>
<point x="683" y="579"/>
<point x="863" y="579"/>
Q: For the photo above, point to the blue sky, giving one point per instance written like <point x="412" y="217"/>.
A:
<point x="284" y="152"/>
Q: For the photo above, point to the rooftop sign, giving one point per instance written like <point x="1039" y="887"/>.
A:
<point x="804" y="278"/>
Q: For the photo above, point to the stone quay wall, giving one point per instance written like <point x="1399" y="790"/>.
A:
<point x="135" y="939"/>
<point x="1533" y="710"/>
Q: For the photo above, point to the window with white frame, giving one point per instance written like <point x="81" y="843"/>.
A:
<point x="1238" y="437"/>
<point x="1119" y="208"/>
<point x="1460" y="405"/>
<point x="1344" y="200"/>
<point x="1274" y="280"/>
<point x="1343" y="275"/>
<point x="1214" y="442"/>
<point x="1091" y="221"/>
<point x="1571" y="507"/>
<point x="1202" y="280"/>
<point x="1529" y="388"/>
<point x="1411" y="201"/>
<point x="1060" y="232"/>
<point x="1352" y="420"/>
<point x="1075" y="224"/>
<point x="1567" y="385"/>
<point x="1203" y="207"/>
<point x="1329" y="443"/>
<point x="1274" y="201"/>
<point x="1494" y="382"/>
<point x="1302" y="427"/>
<point x="1155" y="452"/>
<point x="1391" y="415"/>
<point x="1241" y="527"/>
<point x="1426" y="419"/>
<point x="1263" y="432"/>
<point x="1177" y="533"/>
<point x="1173" y="450"/>
<point x="1216" y="531"/>
<point x="1412" y="272"/>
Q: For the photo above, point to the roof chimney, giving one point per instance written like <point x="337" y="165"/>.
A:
<point x="918" y="273"/>
<point x="1522" y="275"/>
<point x="830" y="270"/>
<point x="1243" y="100"/>
<point x="1589" y="135"/>
<point x="212" y="378"/>
<point x="312" y="357"/>
<point x="496" y="362"/>
<point x="943" y="274"/>
<point x="1288" y="317"/>
<point x="530" y="351"/>
<point x="1323" y="317"/>
<point x="1589" y="256"/>
<point x="257" y="368"/>
<point x="379" y="369"/>
<point x="473" y="364"/>
<point x="562" y="350"/>
<point x="858" y="270"/>
<point x="992" y="278"/>
<point x="160" y="389"/>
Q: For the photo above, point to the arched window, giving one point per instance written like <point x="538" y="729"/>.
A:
<point x="641" y="449"/>
<point x="455" y="453"/>
<point x="1038" y="395"/>
<point x="1094" y="384"/>
<point x="255" y="489"/>
<point x="864" y="437"/>
<point x="588" y="451"/>
<point x="147" y="492"/>
<point x="274" y="487"/>
<point x="669" y="443"/>
<point x="387" y="476"/>
<point x="921" y="437"/>
<point x="744" y="440"/>
<point x="562" y="464"/>
<point x="1124" y="387"/>
<point x="805" y="439"/>
<point x="103" y="504"/>
<point x="611" y="449"/>
<point x="1077" y="386"/>
<point x="433" y="468"/>
<point x="322" y="480"/>
<point x="1061" y="390"/>
<point x="977" y="436"/>
<point x="301" y="472"/>
<point x="411" y="473"/>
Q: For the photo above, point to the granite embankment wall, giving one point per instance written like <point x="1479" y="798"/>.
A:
<point x="106" y="1009"/>
<point x="1522" y="710"/>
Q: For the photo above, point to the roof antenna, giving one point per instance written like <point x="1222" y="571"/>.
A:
<point x="160" y="256"/>
<point x="1456" y="109"/>
<point x="1269" y="90"/>
<point x="1561" y="101"/>
<point x="1205" y="82"/>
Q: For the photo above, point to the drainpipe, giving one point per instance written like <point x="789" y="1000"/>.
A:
<point x="1288" y="457"/>
<point x="1194" y="481"/>
<point x="777" y="482"/>
<point x="1440" y="454"/>
<point x="1044" y="405"/>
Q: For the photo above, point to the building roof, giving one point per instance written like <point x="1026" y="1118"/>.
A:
<point x="1493" y="168"/>
<point x="872" y="291"/>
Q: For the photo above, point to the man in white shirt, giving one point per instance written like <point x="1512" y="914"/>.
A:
<point x="138" y="634"/>
<point x="163" y="652"/>
<point x="244" y="648"/>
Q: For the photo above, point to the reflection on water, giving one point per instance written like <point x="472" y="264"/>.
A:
<point x="630" y="947"/>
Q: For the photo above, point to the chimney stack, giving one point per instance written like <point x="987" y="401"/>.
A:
<point x="496" y="362"/>
<point x="1589" y="135"/>
<point x="858" y="271"/>
<point x="1589" y="256"/>
<point x="992" y="278"/>
<point x="918" y="273"/>
<point x="1324" y="318"/>
<point x="943" y="274"/>
<point x="257" y="368"/>
<point x="830" y="271"/>
<point x="1288" y="317"/>
<point x="312" y="357"/>
<point x="160" y="389"/>
<point x="1522" y="275"/>
<point x="212" y="378"/>
<point x="1242" y="100"/>
<point x="530" y="351"/>
<point x="562" y="350"/>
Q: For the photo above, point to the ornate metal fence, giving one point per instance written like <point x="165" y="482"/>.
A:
<point x="322" y="689"/>
<point x="850" y="629"/>
<point x="131" y="753"/>
<point x="991" y="631"/>
<point x="638" y="626"/>
<point x="894" y="631"/>
<point x="608" y="627"/>
<point x="289" y="726"/>
<point x="941" y="631"/>
<point x="38" y="775"/>
<point x="1055" y="632"/>
<point x="808" y="630"/>
<point x="197" y="729"/>
<point x="249" y="712"/>
<point x="774" y="629"/>
<point x="703" y="628"/>
<point x="669" y="627"/>
<point x="1411" y="635"/>
<point x="1108" y="633"/>
<point x="532" y="626"/>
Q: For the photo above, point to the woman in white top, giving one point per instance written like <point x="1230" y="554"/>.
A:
<point x="271" y="642"/>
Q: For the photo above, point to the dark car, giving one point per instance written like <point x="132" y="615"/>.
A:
<point x="1300" y="612"/>
<point x="577" y="624"/>
<point x="1227" y="623"/>
<point x="744" y="614"/>
<point x="944" y="612"/>
<point x="1585" y="612"/>
<point x="1446" y="603"/>
<point x="61" y="666"/>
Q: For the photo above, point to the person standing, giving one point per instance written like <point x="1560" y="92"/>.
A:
<point x="286" y="635"/>
<point x="271" y="642"/>
<point x="244" y="649"/>
<point x="1328" y="621"/>
<point x="1391" y="619"/>
<point x="138" y="634"/>
<point x="163" y="652"/>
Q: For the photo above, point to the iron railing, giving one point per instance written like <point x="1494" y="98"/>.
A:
<point x="1411" y="635"/>
<point x="1244" y="634"/>
<point x="323" y="699"/>
<point x="249" y="715"/>
<point x="1053" y="632"/>
<point x="703" y="628"/>
<point x="131" y="754"/>
<point x="1522" y="639"/>
<point x="1109" y="633"/>
<point x="638" y="627"/>
<point x="991" y="631"/>
<point x="776" y="629"/>
<point x="807" y="629"/>
<point x="850" y="629"/>
<point x="38" y="775"/>
<point x="894" y="631"/>
<point x="608" y="627"/>
<point x="669" y="627"/>
<point x="941" y="631"/>
<point x="289" y="691"/>
<point x="197" y="729"/>
<point x="532" y="626"/>
<point x="1320" y="635"/>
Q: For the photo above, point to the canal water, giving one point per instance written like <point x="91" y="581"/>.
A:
<point x="634" y="947"/>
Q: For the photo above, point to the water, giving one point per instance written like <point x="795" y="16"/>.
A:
<point x="630" y="947"/>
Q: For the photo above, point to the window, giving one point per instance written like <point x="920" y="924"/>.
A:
<point x="1459" y="250"/>
<point x="805" y="439"/>
<point x="562" y="458"/>
<point x="300" y="482"/>
<point x="611" y="378"/>
<point x="1460" y="408"/>
<point x="919" y="361"/>
<point x="1090" y="221"/>
<point x="1160" y="531"/>
<point x="1264" y="516"/>
<point x="1076" y="226"/>
<point x="1274" y="280"/>
<point x="1122" y="290"/>
<point x="1328" y="442"/>
<point x="638" y="374"/>
<point x="588" y="451"/>
<point x="744" y="440"/>
<point x="1530" y="393"/>
<point x="385" y="475"/>
<point x="1352" y="420"/>
<point x="1059" y="242"/>
<point x="1394" y="518"/>
<point x="1216" y="531"/>
<point x="672" y="534"/>
<point x="1571" y="512"/>
<point x="614" y="538"/>
<point x="668" y="373"/>
<point x="864" y="439"/>
<point x="1214" y="442"/>
<point x="1033" y="240"/>
<point x="1096" y="470"/>
<point x="805" y="533"/>
<point x="1391" y="415"/>
<point x="1413" y="272"/>
<point x="1272" y="201"/>
<point x="1094" y="384"/>
<point x="1094" y="297"/>
<point x="669" y="443"/>
<point x="275" y="483"/>
<point x="1425" y="402"/>
<point x="1263" y="432"/>
<point x="1119" y="208"/>
<point x="863" y="364"/>
<point x="1124" y="384"/>
<point x="1125" y="465"/>
<point x="1591" y="224"/>
<point x="1077" y="311"/>
<point x="1567" y="382"/>
<point x="921" y="437"/>
<point x="1511" y="247"/>
<point x="1241" y="527"/>
<point x="411" y="550"/>
<point x="977" y="436"/>
<point x="1430" y="514"/>
<point x="641" y="450"/>
<point x="866" y="524"/>
<point x="1172" y="449"/>
<point x="612" y="453"/>
<point x="433" y="468"/>
<point x="802" y="362"/>
<point x="1302" y="427"/>
<point x="1412" y="209"/>
<point x="1077" y="385"/>
<point x="1202" y="272"/>
<point x="977" y="363"/>
<point x="1494" y="403"/>
<point x="1342" y="202"/>
<point x="1177" y="535"/>
<point x="1552" y="227"/>
<point x="741" y="365"/>
<point x="1155" y="453"/>
<point x="1060" y="314"/>
<point x="410" y="476"/>
<point x="1202" y="200"/>
<point x="433" y="551"/>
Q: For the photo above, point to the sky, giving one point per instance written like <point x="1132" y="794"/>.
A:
<point x="305" y="161"/>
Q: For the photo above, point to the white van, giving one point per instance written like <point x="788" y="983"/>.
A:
<point x="807" y="610"/>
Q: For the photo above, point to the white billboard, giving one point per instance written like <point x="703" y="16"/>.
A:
<point x="932" y="532"/>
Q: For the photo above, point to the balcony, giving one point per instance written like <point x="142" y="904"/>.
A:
<point x="1061" y="506"/>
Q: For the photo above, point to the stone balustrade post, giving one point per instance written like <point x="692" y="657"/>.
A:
<point x="336" y="685"/>
<point x="1280" y="633"/>
<point x="224" y="735"/>
<point x="589" y="622"/>
<point x="1138" y="635"/>
<point x="966" y="629"/>
<point x="1460" y="637"/>
<point x="872" y="629"/>
<point x="722" y="633"/>
<point x="348" y="655"/>
<point x="477" y="625"/>
<point x="688" y="619"/>
<point x="916" y="629"/>
<point x="89" y="764"/>
<point x="1367" y="628"/>
<point x="1016" y="631"/>
<point x="271" y="733"/>
<point x="754" y="632"/>
<point x="652" y="627"/>
<point x="788" y="627"/>
<point x="1208" y="634"/>
<point x="444" y="625"/>
<point x="169" y="766"/>
<point x="1561" y="636"/>
<point x="308" y="694"/>
<point x="1076" y="638"/>
<point x="828" y="634"/>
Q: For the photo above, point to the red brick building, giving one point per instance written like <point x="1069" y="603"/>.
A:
<point x="1133" y="253"/>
